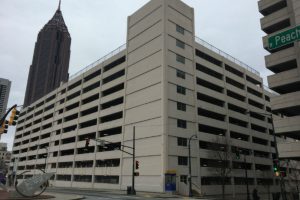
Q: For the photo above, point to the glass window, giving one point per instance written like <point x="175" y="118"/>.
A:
<point x="180" y="44"/>
<point x="180" y="59"/>
<point x="183" y="179"/>
<point x="181" y="106"/>
<point x="181" y="90"/>
<point x="182" y="160"/>
<point x="179" y="29"/>
<point x="180" y="74"/>
<point x="182" y="142"/>
<point x="181" y="123"/>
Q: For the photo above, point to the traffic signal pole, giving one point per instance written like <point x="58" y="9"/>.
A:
<point x="282" y="185"/>
<point x="3" y="128"/>
<point x="133" y="163"/>
<point x="246" y="175"/>
<point x="6" y="114"/>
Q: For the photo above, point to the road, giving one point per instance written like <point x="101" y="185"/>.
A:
<point x="103" y="195"/>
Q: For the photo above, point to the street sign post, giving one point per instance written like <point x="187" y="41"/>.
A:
<point x="284" y="38"/>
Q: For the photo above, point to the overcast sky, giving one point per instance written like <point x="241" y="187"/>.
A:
<point x="99" y="26"/>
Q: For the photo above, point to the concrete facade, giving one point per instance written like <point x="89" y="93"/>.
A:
<point x="4" y="94"/>
<point x="5" y="156"/>
<point x="170" y="85"/>
<point x="278" y="16"/>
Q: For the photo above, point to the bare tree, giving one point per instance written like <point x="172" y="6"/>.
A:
<point x="267" y="181"/>
<point x="294" y="175"/>
<point x="222" y="153"/>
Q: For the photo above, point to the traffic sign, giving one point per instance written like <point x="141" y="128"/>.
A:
<point x="284" y="38"/>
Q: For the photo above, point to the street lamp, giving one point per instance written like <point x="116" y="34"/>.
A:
<point x="282" y="187"/>
<point x="190" y="166"/>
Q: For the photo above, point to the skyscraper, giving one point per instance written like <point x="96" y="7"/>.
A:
<point x="4" y="93"/>
<point x="51" y="57"/>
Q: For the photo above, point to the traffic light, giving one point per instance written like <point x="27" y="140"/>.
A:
<point x="14" y="117"/>
<point x="275" y="166"/>
<point x="137" y="164"/>
<point x="4" y="127"/>
<point x="283" y="173"/>
<point x="87" y="142"/>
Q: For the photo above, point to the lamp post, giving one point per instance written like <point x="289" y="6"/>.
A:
<point x="282" y="186"/>
<point x="190" y="166"/>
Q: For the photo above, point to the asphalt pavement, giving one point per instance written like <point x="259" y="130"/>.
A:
<point x="112" y="194"/>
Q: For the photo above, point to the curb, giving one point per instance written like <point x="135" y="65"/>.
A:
<point x="78" y="198"/>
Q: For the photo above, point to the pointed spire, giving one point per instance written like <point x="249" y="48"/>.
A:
<point x="59" y="5"/>
<point x="58" y="20"/>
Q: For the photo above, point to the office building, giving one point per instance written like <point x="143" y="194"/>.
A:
<point x="5" y="157"/>
<point x="169" y="85"/>
<point x="4" y="94"/>
<point x="280" y="16"/>
<point x="50" y="63"/>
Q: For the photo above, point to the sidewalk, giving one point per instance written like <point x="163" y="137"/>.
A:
<point x="13" y="195"/>
<point x="60" y="196"/>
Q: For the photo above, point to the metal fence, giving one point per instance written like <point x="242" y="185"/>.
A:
<point x="226" y="55"/>
<point x="198" y="40"/>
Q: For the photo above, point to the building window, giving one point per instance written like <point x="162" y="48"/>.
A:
<point x="107" y="179"/>
<point x="181" y="123"/>
<point x="180" y="74"/>
<point x="180" y="59"/>
<point x="182" y="142"/>
<point x="181" y="90"/>
<point x="182" y="160"/>
<point x="63" y="177"/>
<point x="181" y="106"/>
<point x="83" y="178"/>
<point x="183" y="179"/>
<point x="179" y="29"/>
<point x="180" y="44"/>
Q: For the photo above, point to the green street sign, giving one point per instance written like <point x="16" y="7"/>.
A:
<point x="284" y="38"/>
